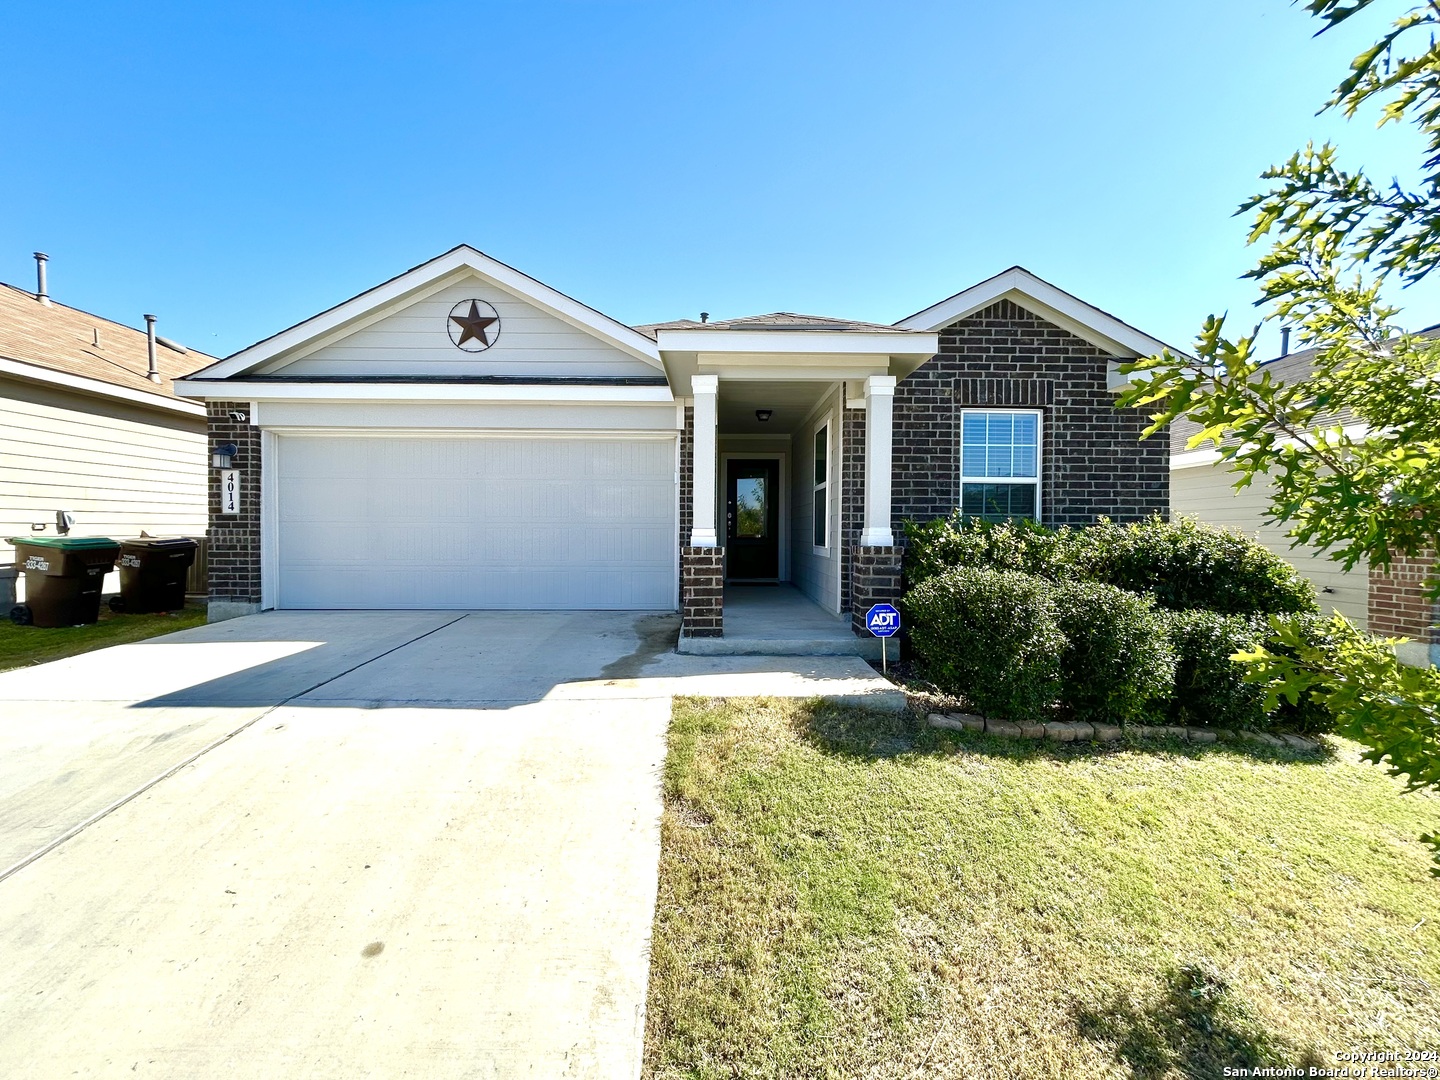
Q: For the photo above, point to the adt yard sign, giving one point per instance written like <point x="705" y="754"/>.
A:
<point x="882" y="620"/>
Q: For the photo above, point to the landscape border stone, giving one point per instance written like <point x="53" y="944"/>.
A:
<point x="1079" y="731"/>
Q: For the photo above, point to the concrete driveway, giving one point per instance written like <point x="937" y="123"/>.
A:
<point x="346" y="844"/>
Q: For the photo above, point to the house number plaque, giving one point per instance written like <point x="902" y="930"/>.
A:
<point x="229" y="491"/>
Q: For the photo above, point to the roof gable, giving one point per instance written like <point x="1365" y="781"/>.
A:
<point x="302" y="349"/>
<point x="1054" y="304"/>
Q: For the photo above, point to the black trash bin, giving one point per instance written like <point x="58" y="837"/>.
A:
<point x="153" y="571"/>
<point x="63" y="578"/>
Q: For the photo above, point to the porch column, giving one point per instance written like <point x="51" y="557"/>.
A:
<point x="879" y="410"/>
<point x="706" y="388"/>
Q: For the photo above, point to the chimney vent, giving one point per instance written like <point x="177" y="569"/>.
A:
<point x="42" y="289"/>
<point x="704" y="316"/>
<point x="154" y="375"/>
<point x="1285" y="341"/>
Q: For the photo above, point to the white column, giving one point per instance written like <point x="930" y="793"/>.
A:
<point x="879" y="411"/>
<point x="702" y="481"/>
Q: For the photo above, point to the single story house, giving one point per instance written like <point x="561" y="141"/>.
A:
<point x="1389" y="603"/>
<point x="464" y="436"/>
<point x="92" y="427"/>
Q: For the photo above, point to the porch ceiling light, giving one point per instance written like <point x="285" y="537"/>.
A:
<point x="764" y="414"/>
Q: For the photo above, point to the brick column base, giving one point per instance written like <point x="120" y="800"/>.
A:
<point x="874" y="579"/>
<point x="702" y="592"/>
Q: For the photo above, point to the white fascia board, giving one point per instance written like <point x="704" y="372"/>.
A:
<point x="1190" y="459"/>
<point x="99" y="388"/>
<point x="401" y="288"/>
<point x="227" y="389"/>
<point x="809" y="342"/>
<point x="1055" y="304"/>
<point x="1210" y="455"/>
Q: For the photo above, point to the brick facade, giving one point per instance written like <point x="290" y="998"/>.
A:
<point x="234" y="538"/>
<point x="1093" y="462"/>
<point x="875" y="579"/>
<point x="702" y="591"/>
<point x="687" y="486"/>
<point x="1398" y="606"/>
<point x="852" y="493"/>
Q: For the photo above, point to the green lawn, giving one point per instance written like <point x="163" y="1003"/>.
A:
<point x="843" y="895"/>
<point x="21" y="646"/>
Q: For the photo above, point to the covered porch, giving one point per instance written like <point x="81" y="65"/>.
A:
<point x="779" y="620"/>
<point x="785" y="480"/>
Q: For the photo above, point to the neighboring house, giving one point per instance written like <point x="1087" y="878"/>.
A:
<point x="1392" y="604"/>
<point x="463" y="436"/>
<point x="85" y="428"/>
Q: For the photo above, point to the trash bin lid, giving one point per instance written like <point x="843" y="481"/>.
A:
<point x="159" y="542"/>
<point x="65" y="543"/>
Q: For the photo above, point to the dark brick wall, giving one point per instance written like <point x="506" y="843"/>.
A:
<point x="852" y="494"/>
<point x="687" y="481"/>
<point x="875" y="573"/>
<point x="1094" y="463"/>
<point x="235" y="539"/>
<point x="702" y="591"/>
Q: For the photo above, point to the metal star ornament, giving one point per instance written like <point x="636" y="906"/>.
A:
<point x="474" y="330"/>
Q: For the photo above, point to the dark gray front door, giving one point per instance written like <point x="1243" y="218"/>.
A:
<point x="752" y="519"/>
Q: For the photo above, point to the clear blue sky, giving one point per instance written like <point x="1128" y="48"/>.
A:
<point x="236" y="168"/>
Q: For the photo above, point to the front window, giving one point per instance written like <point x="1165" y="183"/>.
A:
<point x="820" y="519"/>
<point x="1000" y="464"/>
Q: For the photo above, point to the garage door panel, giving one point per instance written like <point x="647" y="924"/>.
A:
<point x="476" y="523"/>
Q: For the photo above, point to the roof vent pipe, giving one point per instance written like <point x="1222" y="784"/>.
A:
<point x="42" y="290"/>
<point x="154" y="375"/>
<point x="704" y="316"/>
<point x="1285" y="341"/>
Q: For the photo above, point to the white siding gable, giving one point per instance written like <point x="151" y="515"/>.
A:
<point x="416" y="341"/>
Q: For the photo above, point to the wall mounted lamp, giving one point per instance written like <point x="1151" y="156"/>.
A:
<point x="223" y="455"/>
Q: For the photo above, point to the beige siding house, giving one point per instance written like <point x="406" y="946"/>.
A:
<point x="1202" y="486"/>
<point x="86" y="429"/>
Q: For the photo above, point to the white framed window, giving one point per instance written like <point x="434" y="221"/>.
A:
<point x="820" y="492"/>
<point x="1000" y="463"/>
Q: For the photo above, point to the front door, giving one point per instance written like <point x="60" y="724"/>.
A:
<point x="752" y="519"/>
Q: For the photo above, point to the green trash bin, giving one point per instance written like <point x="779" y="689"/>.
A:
<point x="63" y="578"/>
<point x="153" y="571"/>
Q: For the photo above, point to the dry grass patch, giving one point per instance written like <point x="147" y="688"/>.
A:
<point x="848" y="895"/>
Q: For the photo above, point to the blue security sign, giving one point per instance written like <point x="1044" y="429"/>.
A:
<point x="882" y="620"/>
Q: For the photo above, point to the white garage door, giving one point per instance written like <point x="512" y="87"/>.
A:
<point x="401" y="522"/>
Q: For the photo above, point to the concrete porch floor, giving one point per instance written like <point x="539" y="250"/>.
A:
<point x="780" y="620"/>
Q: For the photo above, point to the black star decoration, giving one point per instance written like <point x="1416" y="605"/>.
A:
<point x="473" y="325"/>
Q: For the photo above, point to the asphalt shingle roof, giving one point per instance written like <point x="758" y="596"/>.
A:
<point x="63" y="339"/>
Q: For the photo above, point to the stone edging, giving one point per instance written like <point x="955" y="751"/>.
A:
<point x="1079" y="731"/>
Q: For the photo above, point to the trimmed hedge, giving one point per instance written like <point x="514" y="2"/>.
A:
<point x="1117" y="665"/>
<point x="991" y="636"/>
<point x="1210" y="689"/>
<point x="1182" y="565"/>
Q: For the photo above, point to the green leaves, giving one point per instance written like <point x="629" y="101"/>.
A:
<point x="1351" y="450"/>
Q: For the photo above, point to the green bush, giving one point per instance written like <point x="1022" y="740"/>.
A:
<point x="1210" y="689"/>
<point x="989" y="636"/>
<point x="1183" y="564"/>
<point x="936" y="546"/>
<point x="1186" y="566"/>
<point x="1117" y="665"/>
<point x="1309" y="713"/>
